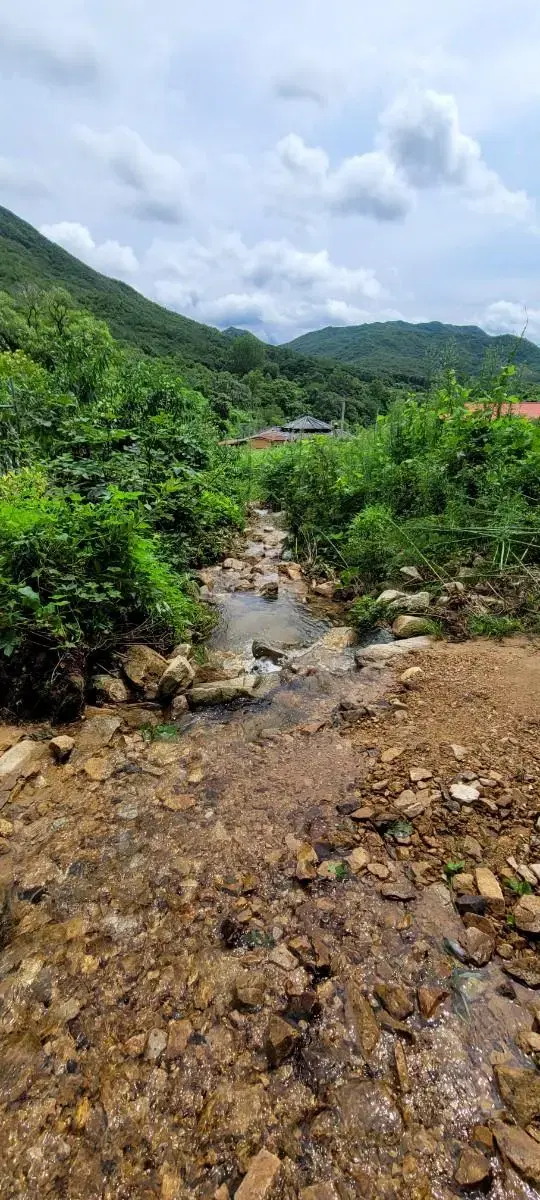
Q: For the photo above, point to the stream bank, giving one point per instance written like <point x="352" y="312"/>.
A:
<point x="275" y="952"/>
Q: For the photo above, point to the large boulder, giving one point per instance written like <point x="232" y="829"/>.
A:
<point x="144" y="668"/>
<point x="417" y="603"/>
<point x="338" y="638"/>
<point x="387" y="651"/>
<point x="219" y="664"/>
<point x="409" y="627"/>
<point x="264" y="649"/>
<point x="177" y="677"/>
<point x="110" y="688"/>
<point x="221" y="691"/>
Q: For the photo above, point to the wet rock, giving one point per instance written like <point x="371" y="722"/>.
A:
<point x="429" y="999"/>
<point x="489" y="887"/>
<point x="260" y="1177"/>
<point x="520" y="1090"/>
<point x="270" y="650"/>
<point x="110" y="688"/>
<point x="360" y="1013"/>
<point x="396" y="999"/>
<point x="319" y="1191"/>
<point x="411" y="677"/>
<point x="61" y="747"/>
<point x="233" y="564"/>
<point x="306" y="862"/>
<point x="527" y="914"/>
<point x="249" y="990"/>
<point x="19" y="758"/>
<point x="176" y="678"/>
<point x="464" y="793"/>
<point x="281" y="1040"/>
<point x="155" y="1044"/>
<point x="269" y="590"/>
<point x="178" y="707"/>
<point x="402" y="1069"/>
<point x="222" y="691"/>
<point x="471" y="904"/>
<point x="368" y="1112"/>
<point x="358" y="859"/>
<point x="144" y="668"/>
<point x="178" y="1035"/>
<point x="478" y="946"/>
<point x="520" y="1149"/>
<point x="399" y="889"/>
<point x="218" y="665"/>
<point x="473" y="1168"/>
<point x="281" y="957"/>
<point x="23" y="1060"/>
<point x="387" y="651"/>
<point x="411" y="627"/>
<point x="339" y="638"/>
<point x="98" y="732"/>
<point x="326" y="589"/>
<point x="524" y="971"/>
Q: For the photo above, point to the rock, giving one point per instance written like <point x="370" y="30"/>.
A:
<point x="408" y="604"/>
<point x="411" y="627"/>
<point x="520" y="1090"/>
<point x="529" y="1042"/>
<point x="260" y="1177"/>
<point x="524" y="971"/>
<point x="144" y="668"/>
<point x="61" y="747"/>
<point x="319" y="1191"/>
<point x="222" y="691"/>
<point x="178" y="707"/>
<point x="358" y="859"/>
<point x="326" y="589"/>
<point x="520" y="1149"/>
<point x="307" y="861"/>
<point x="396" y="999"/>
<point x="155" y="1044"/>
<point x="459" y="752"/>
<point x="178" y="1035"/>
<point x="399" y="889"/>
<point x="249" y="990"/>
<point x="402" y="1069"/>
<point x="464" y="793"/>
<point x="233" y="564"/>
<point x="387" y="651"/>
<point x="98" y="769"/>
<point x="478" y="946"/>
<point x="411" y="677"/>
<point x="489" y="887"/>
<point x="390" y="755"/>
<point x="269" y="590"/>
<point x="429" y="999"/>
<point x="527" y="914"/>
<point x="281" y="1040"/>
<point x="379" y="870"/>
<point x="360" y="1013"/>
<point x="19" y="758"/>
<point x="176" y="678"/>
<point x="473" y="1168"/>
<point x="183" y="648"/>
<point x="463" y="884"/>
<point x="283" y="958"/>
<point x="264" y="649"/>
<point x="97" y="732"/>
<point x="420" y="774"/>
<point x="110" y="688"/>
<point x="339" y="638"/>
<point x="369" y="1113"/>
<point x="473" y="848"/>
<point x="219" y="665"/>
<point x="471" y="904"/>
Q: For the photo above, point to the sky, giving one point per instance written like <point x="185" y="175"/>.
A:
<point x="287" y="166"/>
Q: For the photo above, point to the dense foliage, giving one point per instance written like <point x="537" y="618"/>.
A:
<point x="435" y="484"/>
<point x="112" y="487"/>
<point x="415" y="353"/>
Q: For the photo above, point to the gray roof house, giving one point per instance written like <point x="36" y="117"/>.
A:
<point x="306" y="425"/>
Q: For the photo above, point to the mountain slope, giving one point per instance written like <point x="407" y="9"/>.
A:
<point x="27" y="257"/>
<point x="396" y="347"/>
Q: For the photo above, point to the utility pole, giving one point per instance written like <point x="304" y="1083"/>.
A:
<point x="342" y="422"/>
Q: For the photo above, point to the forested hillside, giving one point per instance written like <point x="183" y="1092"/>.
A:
<point x="399" y="349"/>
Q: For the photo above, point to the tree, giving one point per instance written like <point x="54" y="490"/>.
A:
<point x="247" y="354"/>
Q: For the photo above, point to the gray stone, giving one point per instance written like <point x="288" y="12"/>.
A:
<point x="270" y="650"/>
<point x="222" y="691"/>
<point x="110" y="688"/>
<point x="410" y="604"/>
<point x="409" y="627"/>
<point x="386" y="651"/>
<point x="17" y="760"/>
<point x="177" y="677"/>
<point x="97" y="732"/>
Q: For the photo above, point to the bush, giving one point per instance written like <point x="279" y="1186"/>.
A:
<point x="365" y="614"/>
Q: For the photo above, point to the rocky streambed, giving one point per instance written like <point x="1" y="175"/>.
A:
<point x="281" y="948"/>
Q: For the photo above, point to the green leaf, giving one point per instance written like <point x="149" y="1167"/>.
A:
<point x="453" y="868"/>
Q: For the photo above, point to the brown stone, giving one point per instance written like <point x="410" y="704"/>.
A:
<point x="402" y="1068"/>
<point x="176" y="678"/>
<point x="520" y="1149"/>
<point x="429" y="999"/>
<point x="473" y="1168"/>
<point x="97" y="732"/>
<point x="358" y="859"/>
<point x="178" y="1035"/>
<point x="144" y="667"/>
<point x="260" y="1177"/>
<point x="396" y="999"/>
<point x="306" y="862"/>
<point x="362" y="1017"/>
<point x="61" y="747"/>
<point x="281" y="1040"/>
<point x="110" y="689"/>
<point x="479" y="946"/>
<point x="319" y="1191"/>
<point x="527" y="914"/>
<point x="520" y="1090"/>
<point x="490" y="888"/>
<point x="249" y="990"/>
<point x="399" y="889"/>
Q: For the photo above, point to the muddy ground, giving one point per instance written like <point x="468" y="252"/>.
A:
<point x="200" y="963"/>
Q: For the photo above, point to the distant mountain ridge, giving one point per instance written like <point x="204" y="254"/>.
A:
<point x="402" y="348"/>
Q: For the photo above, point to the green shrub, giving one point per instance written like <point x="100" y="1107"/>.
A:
<point x="365" y="614"/>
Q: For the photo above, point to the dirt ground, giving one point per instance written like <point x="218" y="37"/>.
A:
<point x="199" y="964"/>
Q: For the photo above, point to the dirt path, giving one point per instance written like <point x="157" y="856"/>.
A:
<point x="205" y="958"/>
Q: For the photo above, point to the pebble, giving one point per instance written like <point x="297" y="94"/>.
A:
<point x="281" y="1039"/>
<point x="411" y="677"/>
<point x="459" y="752"/>
<point x="358" y="859"/>
<point x="178" y="1035"/>
<point x="429" y="999"/>
<point x="379" y="870"/>
<point x="473" y="1168"/>
<point x="419" y="774"/>
<point x="306" y="862"/>
<point x="260" y="1177"/>
<point x="155" y="1044"/>
<point x="527" y="914"/>
<point x="490" y="888"/>
<point x="399" y="889"/>
<point x="396" y="999"/>
<point x="61" y="747"/>
<point x="478" y="946"/>
<point x="390" y="755"/>
<point x="249" y="990"/>
<point x="464" y="793"/>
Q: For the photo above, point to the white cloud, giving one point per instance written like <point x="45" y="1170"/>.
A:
<point x="505" y="316"/>
<point x="18" y="177"/>
<point x="109" y="257"/>
<point x="61" y="55"/>
<point x="158" y="185"/>
<point x="421" y="133"/>
<point x="364" y="185"/>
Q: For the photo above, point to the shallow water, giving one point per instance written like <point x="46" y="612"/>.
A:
<point x="245" y="616"/>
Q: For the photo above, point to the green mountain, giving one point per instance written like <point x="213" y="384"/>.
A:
<point x="26" y="257"/>
<point x="397" y="348"/>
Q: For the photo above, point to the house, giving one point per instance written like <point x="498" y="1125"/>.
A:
<point x="530" y="409"/>
<point x="296" y="430"/>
